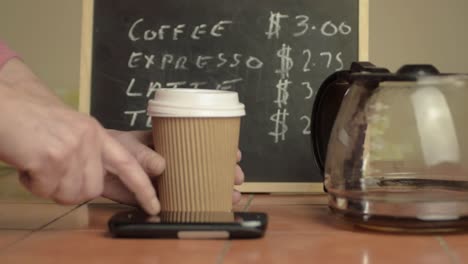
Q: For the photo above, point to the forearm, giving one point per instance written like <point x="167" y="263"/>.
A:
<point x="14" y="74"/>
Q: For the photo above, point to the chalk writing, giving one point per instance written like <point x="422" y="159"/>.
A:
<point x="280" y="26"/>
<point x="171" y="61"/>
<point x="306" y="130"/>
<point x="175" y="32"/>
<point x="281" y="128"/>
<point x="309" y="88"/>
<point x="275" y="25"/>
<point x="286" y="61"/>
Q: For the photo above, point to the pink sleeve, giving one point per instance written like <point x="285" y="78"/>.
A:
<point x="6" y="54"/>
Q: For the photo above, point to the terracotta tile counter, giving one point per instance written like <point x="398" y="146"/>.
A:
<point x="301" y="230"/>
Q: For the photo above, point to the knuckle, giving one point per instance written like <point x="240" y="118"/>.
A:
<point x="152" y="161"/>
<point x="71" y="145"/>
<point x="87" y="126"/>
<point x="141" y="154"/>
<point x="56" y="154"/>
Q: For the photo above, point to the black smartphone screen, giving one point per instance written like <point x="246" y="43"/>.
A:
<point x="189" y="225"/>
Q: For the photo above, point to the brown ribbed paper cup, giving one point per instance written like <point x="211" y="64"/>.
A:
<point x="197" y="132"/>
<point x="197" y="217"/>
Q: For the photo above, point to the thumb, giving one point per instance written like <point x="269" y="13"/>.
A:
<point x="153" y="163"/>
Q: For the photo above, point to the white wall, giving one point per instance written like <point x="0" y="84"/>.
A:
<point x="47" y="35"/>
<point x="420" y="31"/>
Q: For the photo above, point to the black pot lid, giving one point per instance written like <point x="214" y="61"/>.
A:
<point x="331" y="93"/>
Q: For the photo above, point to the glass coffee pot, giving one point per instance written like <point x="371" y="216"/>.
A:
<point x="394" y="147"/>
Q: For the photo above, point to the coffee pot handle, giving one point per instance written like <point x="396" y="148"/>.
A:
<point x="327" y="104"/>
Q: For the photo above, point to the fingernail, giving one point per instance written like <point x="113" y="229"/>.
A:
<point x="155" y="206"/>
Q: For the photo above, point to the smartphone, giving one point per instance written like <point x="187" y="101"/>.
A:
<point x="193" y="225"/>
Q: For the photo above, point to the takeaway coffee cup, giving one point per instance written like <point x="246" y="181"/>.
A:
<point x="197" y="132"/>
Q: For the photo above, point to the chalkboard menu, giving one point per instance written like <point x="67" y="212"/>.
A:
<point x="275" y="53"/>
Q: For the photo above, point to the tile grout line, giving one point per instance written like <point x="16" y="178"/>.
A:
<point x="228" y="244"/>
<point x="224" y="252"/>
<point x="249" y="203"/>
<point x="38" y="229"/>
<point x="453" y="258"/>
<point x="3" y="249"/>
<point x="59" y="217"/>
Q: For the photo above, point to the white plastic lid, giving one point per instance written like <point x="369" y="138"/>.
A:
<point x="195" y="103"/>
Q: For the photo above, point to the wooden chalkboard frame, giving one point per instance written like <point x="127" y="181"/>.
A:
<point x="248" y="187"/>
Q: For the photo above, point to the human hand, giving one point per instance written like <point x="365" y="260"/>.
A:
<point x="140" y="145"/>
<point x="61" y="154"/>
<point x="64" y="155"/>
<point x="238" y="179"/>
